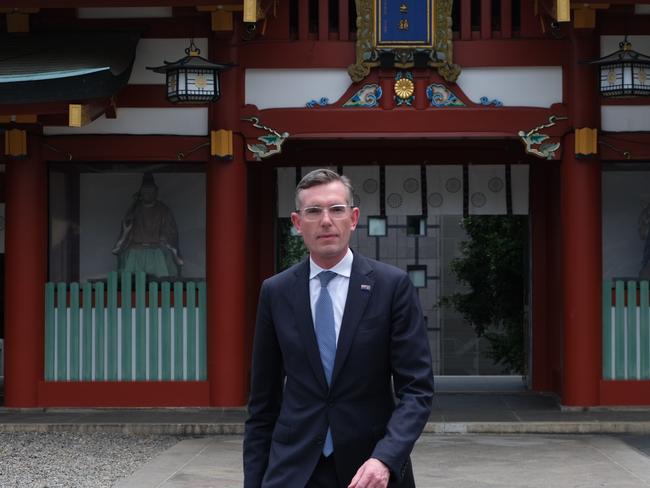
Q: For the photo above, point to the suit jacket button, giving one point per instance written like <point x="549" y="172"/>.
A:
<point x="319" y="440"/>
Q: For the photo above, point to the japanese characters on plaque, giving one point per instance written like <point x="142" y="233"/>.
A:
<point x="404" y="23"/>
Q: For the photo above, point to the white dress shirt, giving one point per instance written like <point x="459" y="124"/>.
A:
<point x="338" y="287"/>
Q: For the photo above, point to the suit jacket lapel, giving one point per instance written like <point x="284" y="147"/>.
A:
<point x="304" y="322"/>
<point x="359" y="291"/>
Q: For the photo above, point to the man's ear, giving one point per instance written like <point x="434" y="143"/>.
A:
<point x="295" y="220"/>
<point x="355" y="217"/>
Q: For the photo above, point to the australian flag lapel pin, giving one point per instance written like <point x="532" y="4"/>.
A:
<point x="365" y="287"/>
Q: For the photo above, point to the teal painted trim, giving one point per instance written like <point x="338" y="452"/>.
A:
<point x="203" y="340"/>
<point x="140" y="326"/>
<point x="170" y="331"/>
<point x="87" y="333"/>
<point x="179" y="343"/>
<point x="607" y="330"/>
<point x="100" y="331"/>
<point x="644" y="331"/>
<point x="166" y="331"/>
<point x="191" y="331"/>
<point x="50" y="330"/>
<point x="127" y="329"/>
<point x="74" y="332"/>
<point x="619" y="333"/>
<point x="112" y="327"/>
<point x="631" y="331"/>
<point x="153" y="331"/>
<point x="61" y="373"/>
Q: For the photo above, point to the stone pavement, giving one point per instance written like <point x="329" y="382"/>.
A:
<point x="518" y="439"/>
<point x="495" y="413"/>
<point x="440" y="461"/>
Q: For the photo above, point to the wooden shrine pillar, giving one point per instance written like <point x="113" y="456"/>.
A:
<point x="581" y="234"/>
<point x="226" y="245"/>
<point x="25" y="274"/>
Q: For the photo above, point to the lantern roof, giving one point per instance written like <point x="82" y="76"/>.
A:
<point x="624" y="54"/>
<point x="193" y="60"/>
<point x="189" y="62"/>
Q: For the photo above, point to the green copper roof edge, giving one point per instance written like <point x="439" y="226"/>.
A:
<point x="50" y="75"/>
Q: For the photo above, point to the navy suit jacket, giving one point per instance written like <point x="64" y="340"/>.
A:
<point x="382" y="383"/>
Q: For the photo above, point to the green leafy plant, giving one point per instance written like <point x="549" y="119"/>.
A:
<point x="291" y="248"/>
<point x="492" y="265"/>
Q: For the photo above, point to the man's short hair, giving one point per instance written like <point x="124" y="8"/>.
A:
<point x="323" y="177"/>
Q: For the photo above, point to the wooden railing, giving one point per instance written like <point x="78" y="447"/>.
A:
<point x="97" y="332"/>
<point x="324" y="20"/>
<point x="626" y="330"/>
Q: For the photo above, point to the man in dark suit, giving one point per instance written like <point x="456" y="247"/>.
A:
<point x="341" y="379"/>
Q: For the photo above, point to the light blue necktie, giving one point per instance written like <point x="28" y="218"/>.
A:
<point x="326" y="337"/>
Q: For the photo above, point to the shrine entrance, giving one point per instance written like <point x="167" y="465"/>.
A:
<point x="461" y="233"/>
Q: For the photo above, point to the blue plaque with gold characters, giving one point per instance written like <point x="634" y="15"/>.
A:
<point x="403" y="34"/>
<point x="404" y="23"/>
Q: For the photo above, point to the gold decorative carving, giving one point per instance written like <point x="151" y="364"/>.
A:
<point x="404" y="88"/>
<point x="586" y="142"/>
<point x="221" y="143"/>
<point x="15" y="143"/>
<point x="440" y="56"/>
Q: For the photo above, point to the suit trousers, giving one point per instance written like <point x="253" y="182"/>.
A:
<point x="324" y="475"/>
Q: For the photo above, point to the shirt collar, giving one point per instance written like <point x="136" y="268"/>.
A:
<point x="343" y="267"/>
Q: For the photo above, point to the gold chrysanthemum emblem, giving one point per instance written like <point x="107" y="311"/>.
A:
<point x="404" y="88"/>
<point x="201" y="82"/>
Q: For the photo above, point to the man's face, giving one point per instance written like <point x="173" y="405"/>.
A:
<point x="326" y="238"/>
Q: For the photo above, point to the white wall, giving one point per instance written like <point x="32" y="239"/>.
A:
<point x="189" y="121"/>
<point x="526" y="87"/>
<point x="281" y="88"/>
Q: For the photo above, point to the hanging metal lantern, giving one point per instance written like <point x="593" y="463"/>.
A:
<point x="625" y="73"/>
<point x="192" y="79"/>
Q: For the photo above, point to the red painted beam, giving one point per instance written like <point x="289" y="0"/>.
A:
<point x="625" y="101"/>
<point x="55" y="108"/>
<point x="625" y="392"/>
<point x="617" y="24"/>
<point x="117" y="3"/>
<point x="405" y="151"/>
<point x="123" y="394"/>
<point x="511" y="52"/>
<point x="406" y="123"/>
<point x="622" y="146"/>
<point x="196" y="24"/>
<point x="127" y="148"/>
<point x="144" y="96"/>
<point x="310" y="54"/>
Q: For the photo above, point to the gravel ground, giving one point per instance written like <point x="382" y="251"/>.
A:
<point x="53" y="460"/>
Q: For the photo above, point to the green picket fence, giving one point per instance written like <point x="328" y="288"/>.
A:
<point x="95" y="332"/>
<point x="626" y="330"/>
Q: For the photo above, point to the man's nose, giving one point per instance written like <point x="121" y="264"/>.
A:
<point x="326" y="219"/>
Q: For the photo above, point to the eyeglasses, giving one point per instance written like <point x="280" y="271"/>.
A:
<point x="336" y="212"/>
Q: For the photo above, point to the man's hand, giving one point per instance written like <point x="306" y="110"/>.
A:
<point x="372" y="474"/>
